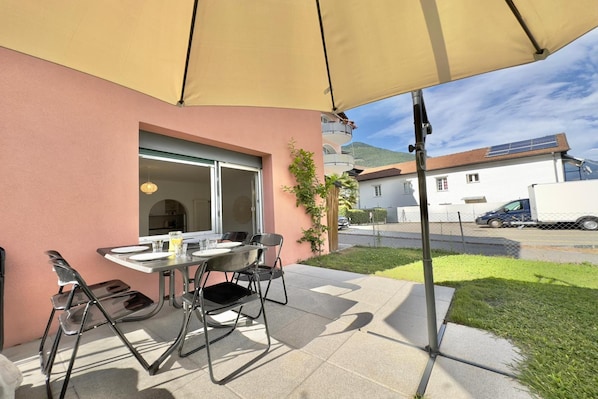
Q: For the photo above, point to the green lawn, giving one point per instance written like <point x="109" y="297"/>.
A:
<point x="549" y="310"/>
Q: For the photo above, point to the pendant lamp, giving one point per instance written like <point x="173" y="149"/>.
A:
<point x="148" y="187"/>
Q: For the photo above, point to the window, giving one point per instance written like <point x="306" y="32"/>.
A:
<point x="473" y="178"/>
<point x="514" y="206"/>
<point x="378" y="190"/>
<point x="407" y="188"/>
<point x="441" y="184"/>
<point x="201" y="189"/>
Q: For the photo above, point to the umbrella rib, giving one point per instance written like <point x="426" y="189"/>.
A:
<point x="325" y="55"/>
<point x="517" y="15"/>
<point x="181" y="101"/>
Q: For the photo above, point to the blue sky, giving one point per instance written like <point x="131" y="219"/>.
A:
<point x="559" y="94"/>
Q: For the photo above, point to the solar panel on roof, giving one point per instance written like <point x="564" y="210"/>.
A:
<point x="542" y="146"/>
<point x="546" y="139"/>
<point x="501" y="149"/>
<point x="518" y="147"/>
<point x="518" y="150"/>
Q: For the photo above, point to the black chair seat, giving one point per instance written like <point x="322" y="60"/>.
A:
<point x="264" y="272"/>
<point x="100" y="290"/>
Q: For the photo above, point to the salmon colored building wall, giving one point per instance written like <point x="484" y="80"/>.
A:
<point x="70" y="181"/>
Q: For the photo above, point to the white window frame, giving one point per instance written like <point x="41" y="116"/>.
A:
<point x="378" y="190"/>
<point x="176" y="150"/>
<point x="472" y="178"/>
<point x="442" y="184"/>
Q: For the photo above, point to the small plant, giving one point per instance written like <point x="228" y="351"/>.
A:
<point x="310" y="194"/>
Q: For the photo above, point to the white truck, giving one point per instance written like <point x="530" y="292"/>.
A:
<point x="572" y="202"/>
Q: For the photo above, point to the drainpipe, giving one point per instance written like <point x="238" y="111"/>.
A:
<point x="556" y="169"/>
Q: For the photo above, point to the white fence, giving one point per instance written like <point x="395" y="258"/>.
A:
<point x="442" y="213"/>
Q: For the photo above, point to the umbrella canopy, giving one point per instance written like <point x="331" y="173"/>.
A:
<point x="327" y="55"/>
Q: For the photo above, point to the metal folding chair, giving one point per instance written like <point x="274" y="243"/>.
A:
<point x="207" y="301"/>
<point x="267" y="271"/>
<point x="59" y="301"/>
<point x="93" y="312"/>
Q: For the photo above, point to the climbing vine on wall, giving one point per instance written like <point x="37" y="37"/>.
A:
<point x="310" y="194"/>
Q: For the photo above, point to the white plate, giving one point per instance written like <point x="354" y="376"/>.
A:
<point x="126" y="250"/>
<point x="151" y="256"/>
<point x="211" y="252"/>
<point x="230" y="244"/>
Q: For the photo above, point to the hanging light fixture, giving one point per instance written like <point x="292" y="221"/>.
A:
<point x="148" y="187"/>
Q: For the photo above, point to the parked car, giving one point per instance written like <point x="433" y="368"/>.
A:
<point x="507" y="214"/>
<point x="343" y="222"/>
<point x="569" y="204"/>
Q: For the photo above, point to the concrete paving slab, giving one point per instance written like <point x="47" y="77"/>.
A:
<point x="480" y="347"/>
<point x="452" y="379"/>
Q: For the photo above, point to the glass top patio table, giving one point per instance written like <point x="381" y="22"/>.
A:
<point x="164" y="267"/>
<point x="159" y="265"/>
<point x="151" y="266"/>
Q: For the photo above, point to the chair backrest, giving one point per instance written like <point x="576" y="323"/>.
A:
<point x="238" y="236"/>
<point x="69" y="276"/>
<point x="269" y="240"/>
<point x="65" y="279"/>
<point x="233" y="261"/>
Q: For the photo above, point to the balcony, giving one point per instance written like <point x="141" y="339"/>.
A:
<point x="336" y="164"/>
<point x="337" y="132"/>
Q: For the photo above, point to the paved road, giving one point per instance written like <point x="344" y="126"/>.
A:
<point x="562" y="245"/>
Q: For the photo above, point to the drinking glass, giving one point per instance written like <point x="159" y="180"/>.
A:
<point x="203" y="244"/>
<point x="157" y="245"/>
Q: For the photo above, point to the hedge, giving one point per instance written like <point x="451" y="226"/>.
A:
<point x="362" y="216"/>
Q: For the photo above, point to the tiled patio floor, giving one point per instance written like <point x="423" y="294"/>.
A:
<point x="342" y="335"/>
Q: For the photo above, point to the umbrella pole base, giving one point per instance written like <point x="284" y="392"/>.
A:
<point x="423" y="383"/>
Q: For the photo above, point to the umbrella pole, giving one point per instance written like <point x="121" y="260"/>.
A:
<point x="422" y="129"/>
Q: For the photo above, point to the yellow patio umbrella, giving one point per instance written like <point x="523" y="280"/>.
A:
<point x="326" y="55"/>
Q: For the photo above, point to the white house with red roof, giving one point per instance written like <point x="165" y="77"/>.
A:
<point x="470" y="182"/>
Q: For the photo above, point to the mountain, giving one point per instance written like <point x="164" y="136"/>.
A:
<point x="370" y="156"/>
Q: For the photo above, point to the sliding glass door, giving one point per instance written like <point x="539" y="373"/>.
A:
<point x="240" y="200"/>
<point x="196" y="195"/>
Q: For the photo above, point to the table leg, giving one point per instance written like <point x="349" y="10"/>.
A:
<point x="171" y="286"/>
<point x="153" y="368"/>
<point x="171" y="293"/>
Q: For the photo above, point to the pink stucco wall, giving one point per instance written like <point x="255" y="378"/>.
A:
<point x="69" y="174"/>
